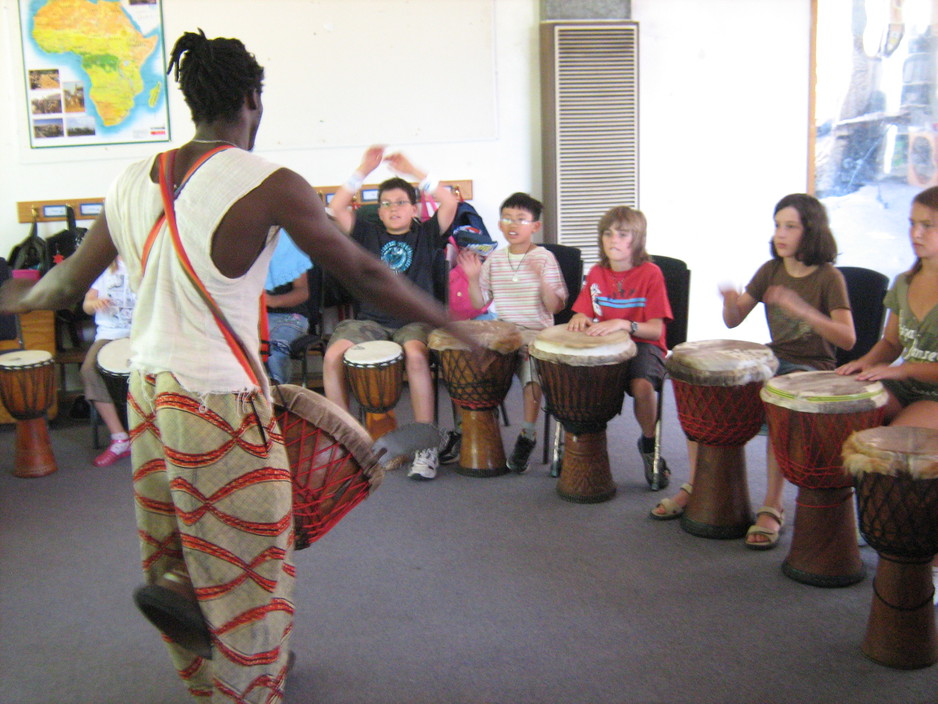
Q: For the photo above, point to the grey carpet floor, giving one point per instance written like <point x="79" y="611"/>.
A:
<point x="456" y="591"/>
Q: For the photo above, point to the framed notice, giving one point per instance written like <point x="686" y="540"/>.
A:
<point x="95" y="72"/>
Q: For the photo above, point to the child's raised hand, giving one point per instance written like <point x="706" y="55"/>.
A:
<point x="470" y="263"/>
<point x="371" y="159"/>
<point x="400" y="164"/>
<point x="730" y="294"/>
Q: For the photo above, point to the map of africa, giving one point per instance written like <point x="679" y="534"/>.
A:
<point x="95" y="70"/>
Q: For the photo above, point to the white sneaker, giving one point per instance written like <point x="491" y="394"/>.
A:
<point x="425" y="464"/>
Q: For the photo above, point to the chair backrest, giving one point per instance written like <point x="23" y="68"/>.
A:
<point x="9" y="328"/>
<point x="439" y="271"/>
<point x="866" y="289"/>
<point x="677" y="281"/>
<point x="570" y="260"/>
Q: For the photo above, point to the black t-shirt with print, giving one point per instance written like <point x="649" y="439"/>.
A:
<point x="410" y="254"/>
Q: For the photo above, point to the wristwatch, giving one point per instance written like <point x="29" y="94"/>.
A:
<point x="633" y="327"/>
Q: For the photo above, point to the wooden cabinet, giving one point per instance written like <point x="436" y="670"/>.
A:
<point x="38" y="334"/>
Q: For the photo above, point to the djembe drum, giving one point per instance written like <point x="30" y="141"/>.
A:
<point x="478" y="381"/>
<point x="333" y="470"/>
<point x="584" y="379"/>
<point x="810" y="414"/>
<point x="114" y="367"/>
<point x="896" y="473"/>
<point x="27" y="389"/>
<point x="716" y="389"/>
<point x="375" y="373"/>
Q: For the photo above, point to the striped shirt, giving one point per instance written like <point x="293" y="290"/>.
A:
<point x="513" y="283"/>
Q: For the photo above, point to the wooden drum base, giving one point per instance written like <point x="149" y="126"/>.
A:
<point x="482" y="453"/>
<point x="585" y="477"/>
<point x="33" y="456"/>
<point x="719" y="507"/>
<point x="824" y="551"/>
<point x="900" y="631"/>
<point x="378" y="424"/>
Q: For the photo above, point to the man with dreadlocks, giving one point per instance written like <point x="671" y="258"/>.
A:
<point x="211" y="482"/>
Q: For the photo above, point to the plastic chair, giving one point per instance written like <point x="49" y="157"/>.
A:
<point x="677" y="282"/>
<point x="866" y="289"/>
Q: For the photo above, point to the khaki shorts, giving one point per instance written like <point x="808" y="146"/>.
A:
<point x="357" y="331"/>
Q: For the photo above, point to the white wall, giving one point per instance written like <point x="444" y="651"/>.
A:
<point x="723" y="90"/>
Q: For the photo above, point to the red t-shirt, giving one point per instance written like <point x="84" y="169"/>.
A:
<point x="638" y="294"/>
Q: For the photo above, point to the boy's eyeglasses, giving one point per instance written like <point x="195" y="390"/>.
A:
<point x="512" y="221"/>
<point x="394" y="203"/>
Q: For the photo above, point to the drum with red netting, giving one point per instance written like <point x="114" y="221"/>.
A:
<point x="716" y="388"/>
<point x="896" y="473"/>
<point x="810" y="414"/>
<point x="478" y="380"/>
<point x="331" y="458"/>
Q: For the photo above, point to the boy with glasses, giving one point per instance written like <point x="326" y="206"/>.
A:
<point x="526" y="286"/>
<point x="407" y="246"/>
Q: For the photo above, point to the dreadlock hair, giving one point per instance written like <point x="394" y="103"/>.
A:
<point x="929" y="199"/>
<point x="214" y="75"/>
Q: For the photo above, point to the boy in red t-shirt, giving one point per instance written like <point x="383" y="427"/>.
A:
<point x="626" y="291"/>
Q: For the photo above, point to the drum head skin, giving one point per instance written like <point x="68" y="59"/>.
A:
<point x="495" y="335"/>
<point x="577" y="349"/>
<point x="114" y="357"/>
<point x="825" y="392"/>
<point x="893" y="450"/>
<point x="25" y="358"/>
<point x="372" y="353"/>
<point x="721" y="362"/>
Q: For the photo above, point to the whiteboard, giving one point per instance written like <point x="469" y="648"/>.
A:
<point x="352" y="72"/>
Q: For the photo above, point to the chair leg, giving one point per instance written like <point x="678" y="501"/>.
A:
<point x="95" y="423"/>
<point x="546" y="443"/>
<point x="656" y="478"/>
<point x="504" y="411"/>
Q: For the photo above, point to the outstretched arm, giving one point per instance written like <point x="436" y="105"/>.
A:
<point x="881" y="355"/>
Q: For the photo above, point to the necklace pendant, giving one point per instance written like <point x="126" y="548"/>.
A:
<point x="515" y="279"/>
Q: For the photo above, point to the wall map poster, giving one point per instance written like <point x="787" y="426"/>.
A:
<point x="95" y="72"/>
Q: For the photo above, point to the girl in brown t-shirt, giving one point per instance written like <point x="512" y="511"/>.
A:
<point x="808" y="314"/>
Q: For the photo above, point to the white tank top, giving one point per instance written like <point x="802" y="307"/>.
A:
<point x="173" y="329"/>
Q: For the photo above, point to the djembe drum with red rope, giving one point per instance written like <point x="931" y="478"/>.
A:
<point x="333" y="468"/>
<point x="27" y="389"/>
<point x="810" y="415"/>
<point x="716" y="388"/>
<point x="375" y="373"/>
<point x="896" y="473"/>
<point x="478" y="381"/>
<point x="583" y="378"/>
<point x="331" y="457"/>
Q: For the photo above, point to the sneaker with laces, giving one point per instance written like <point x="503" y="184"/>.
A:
<point x="518" y="462"/>
<point x="425" y="464"/>
<point x="664" y="474"/>
<point x="450" y="446"/>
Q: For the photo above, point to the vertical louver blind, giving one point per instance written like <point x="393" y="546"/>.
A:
<point x="589" y="85"/>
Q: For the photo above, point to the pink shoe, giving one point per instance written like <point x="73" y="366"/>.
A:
<point x="109" y="456"/>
